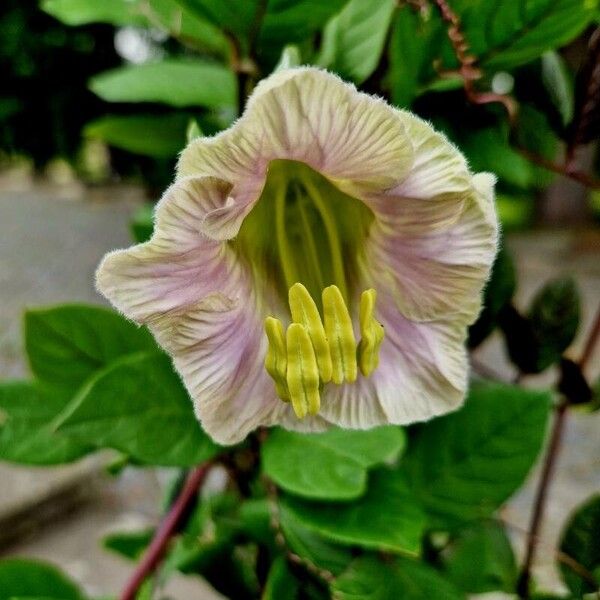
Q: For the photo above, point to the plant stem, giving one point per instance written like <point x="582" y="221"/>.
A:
<point x="548" y="468"/>
<point x="540" y="498"/>
<point x="164" y="532"/>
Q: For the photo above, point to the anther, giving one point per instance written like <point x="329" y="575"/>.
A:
<point x="338" y="328"/>
<point x="276" y="359"/>
<point x="305" y="311"/>
<point x="372" y="334"/>
<point x="302" y="372"/>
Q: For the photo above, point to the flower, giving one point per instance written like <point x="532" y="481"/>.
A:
<point x="316" y="264"/>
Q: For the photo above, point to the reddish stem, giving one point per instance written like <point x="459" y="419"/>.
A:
<point x="163" y="534"/>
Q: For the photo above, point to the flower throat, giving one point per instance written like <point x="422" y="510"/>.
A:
<point x="306" y="235"/>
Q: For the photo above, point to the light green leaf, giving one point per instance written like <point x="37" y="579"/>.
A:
<point x="290" y="58"/>
<point x="465" y="465"/>
<point x="68" y="343"/>
<point x="22" y="578"/>
<point x="281" y="583"/>
<point x="330" y="465"/>
<point x="369" y="578"/>
<point x="581" y="542"/>
<point x="142" y="223"/>
<point x="176" y="82"/>
<point x="353" y="40"/>
<point x="139" y="406"/>
<point x="481" y="559"/>
<point x="82" y="12"/>
<point x="387" y="517"/>
<point x="149" y="135"/>
<point x="26" y="431"/>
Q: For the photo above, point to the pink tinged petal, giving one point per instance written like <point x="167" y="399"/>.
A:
<point x="422" y="374"/>
<point x="312" y="116"/>
<point x="437" y="271"/>
<point x="180" y="264"/>
<point x="219" y="347"/>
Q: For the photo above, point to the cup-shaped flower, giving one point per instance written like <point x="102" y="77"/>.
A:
<point x="316" y="264"/>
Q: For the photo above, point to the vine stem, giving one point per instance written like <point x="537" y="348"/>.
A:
<point x="165" y="531"/>
<point x="548" y="468"/>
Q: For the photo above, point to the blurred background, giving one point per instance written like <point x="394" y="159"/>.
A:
<point x="98" y="97"/>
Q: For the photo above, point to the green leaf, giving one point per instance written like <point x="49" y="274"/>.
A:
<point x="142" y="223"/>
<point x="387" y="517"/>
<point x="293" y="21"/>
<point x="554" y="316"/>
<point x="176" y="82"/>
<point x="313" y="547"/>
<point x="68" y="343"/>
<point x="27" y="435"/>
<point x="139" y="406"/>
<point x="463" y="466"/>
<point x="331" y="465"/>
<point x="82" y="12"/>
<point x="234" y="17"/>
<point x="22" y="578"/>
<point x="415" y="42"/>
<point x="481" y="559"/>
<point x="129" y="544"/>
<point x="581" y="542"/>
<point x="369" y="578"/>
<point x="353" y="40"/>
<point x="505" y="33"/>
<point x="188" y="27"/>
<point x="162" y="136"/>
<point x="558" y="84"/>
<point x="281" y="583"/>
<point x="498" y="293"/>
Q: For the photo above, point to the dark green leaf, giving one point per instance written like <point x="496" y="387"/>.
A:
<point x="415" y="42"/>
<point x="139" y="406"/>
<point x="68" y="343"/>
<point x="22" y="578"/>
<point x="312" y="547"/>
<point x="465" y="465"/>
<point x="369" y="578"/>
<point x="176" y="82"/>
<point x="142" y="223"/>
<point x="128" y="544"/>
<point x="581" y="542"/>
<point x="353" y="40"/>
<point x="27" y="435"/>
<point x="554" y="316"/>
<point x="387" y="517"/>
<point x="498" y="292"/>
<point x="330" y="465"/>
<point x="292" y="21"/>
<point x="281" y="583"/>
<point x="149" y="135"/>
<point x="481" y="559"/>
<point x="188" y="27"/>
<point x="81" y="12"/>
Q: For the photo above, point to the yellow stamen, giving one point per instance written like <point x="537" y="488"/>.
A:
<point x="305" y="311"/>
<point x="276" y="359"/>
<point x="302" y="372"/>
<point x="338" y="328"/>
<point x="372" y="334"/>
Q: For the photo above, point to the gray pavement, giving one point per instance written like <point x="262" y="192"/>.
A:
<point x="51" y="239"/>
